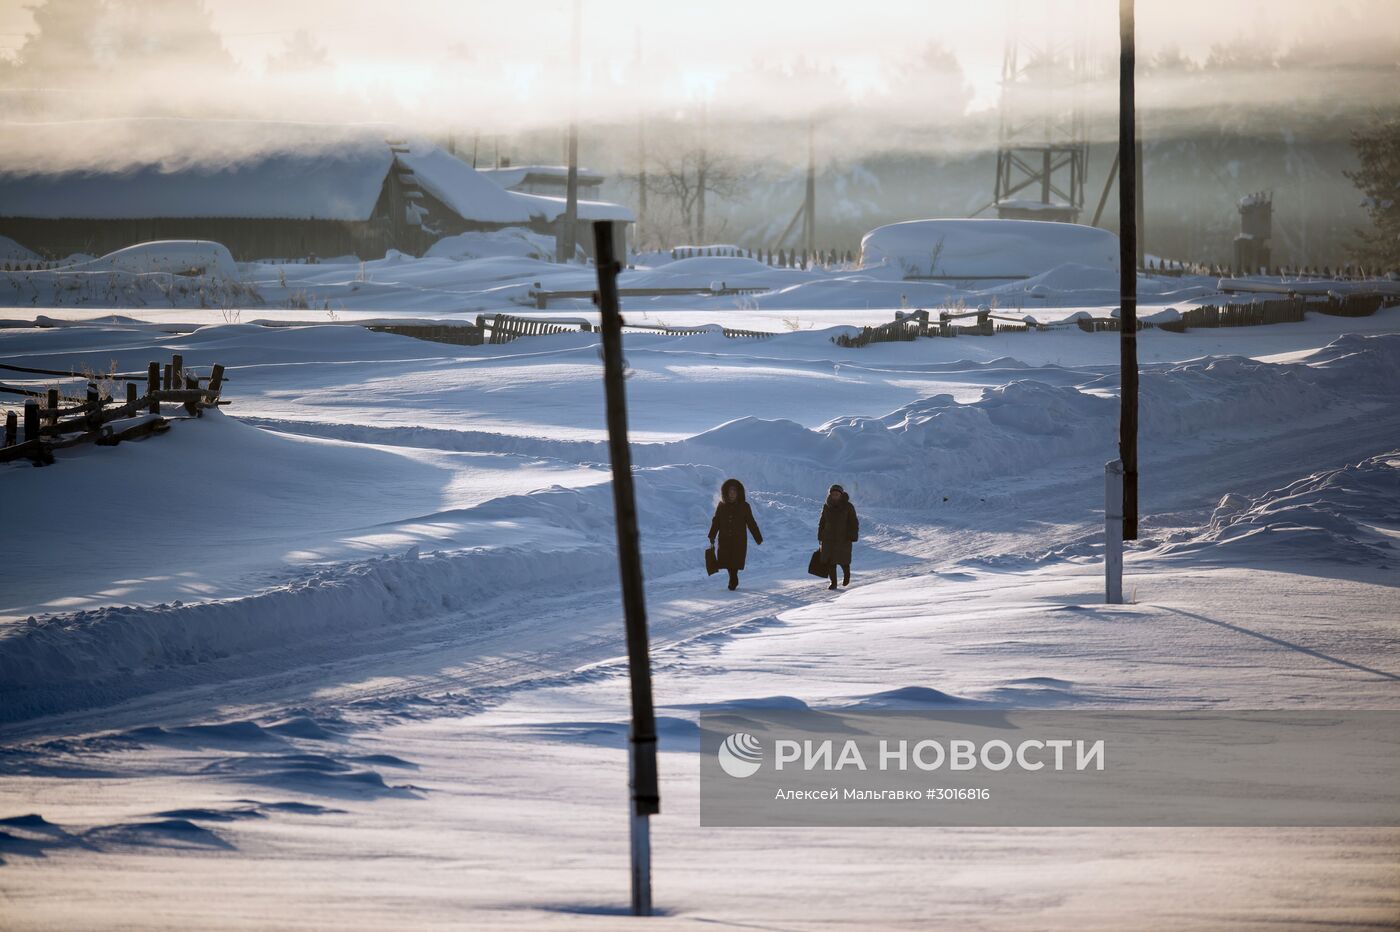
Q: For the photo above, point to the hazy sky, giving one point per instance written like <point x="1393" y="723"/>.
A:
<point x="496" y="66"/>
<point x="372" y="44"/>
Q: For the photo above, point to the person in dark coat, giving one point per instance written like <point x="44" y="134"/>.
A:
<point x="837" y="529"/>
<point x="732" y="524"/>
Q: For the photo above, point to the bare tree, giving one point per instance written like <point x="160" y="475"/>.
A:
<point x="686" y="175"/>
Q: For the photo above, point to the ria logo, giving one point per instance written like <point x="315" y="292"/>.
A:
<point x="741" y="755"/>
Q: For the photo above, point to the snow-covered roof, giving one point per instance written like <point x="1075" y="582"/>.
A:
<point x="518" y="174"/>
<point x="289" y="171"/>
<point x="462" y="188"/>
<point x="340" y="181"/>
<point x="550" y="208"/>
<point x="251" y="170"/>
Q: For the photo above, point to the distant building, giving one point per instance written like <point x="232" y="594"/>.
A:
<point x="549" y="180"/>
<point x="306" y="191"/>
<point x="1252" y="246"/>
<point x="547" y="188"/>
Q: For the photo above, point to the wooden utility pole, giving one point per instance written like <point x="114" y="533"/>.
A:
<point x="809" y="203"/>
<point x="609" y="249"/>
<point x="1129" y="176"/>
<point x="700" y="180"/>
<point x="641" y="228"/>
<point x="566" y="241"/>
<point x="641" y="182"/>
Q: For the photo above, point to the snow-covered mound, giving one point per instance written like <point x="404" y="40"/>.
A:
<point x="515" y="242"/>
<point x="166" y="273"/>
<point x="194" y="257"/>
<point x="1085" y="282"/>
<point x="704" y="271"/>
<point x="985" y="248"/>
<point x="10" y="251"/>
<point x="1346" y="515"/>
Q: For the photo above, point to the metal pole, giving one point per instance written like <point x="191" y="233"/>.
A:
<point x="1127" y="272"/>
<point x="1113" y="533"/>
<point x="646" y="796"/>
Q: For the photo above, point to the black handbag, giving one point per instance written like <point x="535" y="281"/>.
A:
<point x="817" y="566"/>
<point x="711" y="561"/>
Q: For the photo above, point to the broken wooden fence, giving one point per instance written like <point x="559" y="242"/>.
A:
<point x="53" y="421"/>
<point x="909" y="325"/>
<point x="542" y="296"/>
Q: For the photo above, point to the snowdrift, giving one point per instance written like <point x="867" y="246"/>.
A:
<point x="79" y="659"/>
<point x="516" y="242"/>
<point x="1349" y="515"/>
<point x="987" y="248"/>
<point x="914" y="453"/>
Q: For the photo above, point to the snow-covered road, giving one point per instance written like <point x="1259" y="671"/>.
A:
<point x="399" y="643"/>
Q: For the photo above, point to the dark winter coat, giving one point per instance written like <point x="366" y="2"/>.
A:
<point x="836" y="529"/>
<point x="732" y="523"/>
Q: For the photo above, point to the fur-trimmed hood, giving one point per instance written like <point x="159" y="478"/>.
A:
<point x="731" y="483"/>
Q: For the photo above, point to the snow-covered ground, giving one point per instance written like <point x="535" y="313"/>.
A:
<point x="348" y="652"/>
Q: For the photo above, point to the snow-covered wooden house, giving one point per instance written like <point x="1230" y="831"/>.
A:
<point x="300" y="191"/>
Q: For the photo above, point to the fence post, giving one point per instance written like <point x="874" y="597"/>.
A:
<point x="52" y="399"/>
<point x="646" y="795"/>
<point x="177" y="370"/>
<point x="31" y="419"/>
<point x="153" y="386"/>
<point x="11" y="428"/>
<point x="1113" y="532"/>
<point x="166" y="382"/>
<point x="216" y="379"/>
<point x="94" y="407"/>
<point x="131" y="396"/>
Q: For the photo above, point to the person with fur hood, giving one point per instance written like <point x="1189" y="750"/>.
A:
<point x="837" y="529"/>
<point x="732" y="524"/>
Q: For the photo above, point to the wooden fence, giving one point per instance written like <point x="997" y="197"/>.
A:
<point x="542" y="296"/>
<point x="464" y="335"/>
<point x="495" y="329"/>
<point x="53" y="421"/>
<point x="909" y="325"/>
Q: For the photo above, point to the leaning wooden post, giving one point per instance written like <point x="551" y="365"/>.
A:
<point x="646" y="794"/>
<point x="216" y="380"/>
<point x="11" y="429"/>
<point x="153" y="386"/>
